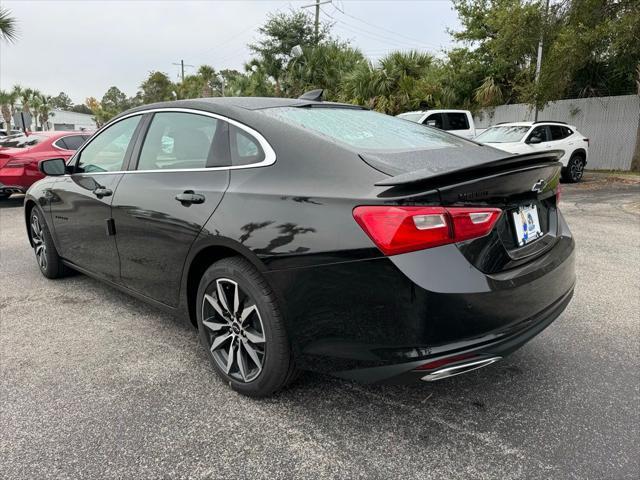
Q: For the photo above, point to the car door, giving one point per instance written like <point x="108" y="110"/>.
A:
<point x="178" y="175"/>
<point x="81" y="201"/>
<point x="560" y="140"/>
<point x="434" y="120"/>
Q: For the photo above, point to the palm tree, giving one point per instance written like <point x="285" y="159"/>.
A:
<point x="7" y="100"/>
<point x="43" y="111"/>
<point x="8" y="26"/>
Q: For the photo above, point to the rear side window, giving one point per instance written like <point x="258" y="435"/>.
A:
<point x="557" y="132"/>
<point x="567" y="131"/>
<point x="365" y="130"/>
<point x="182" y="141"/>
<point x="72" y="142"/>
<point x="245" y="149"/>
<point x="457" y="121"/>
<point x="434" y="120"/>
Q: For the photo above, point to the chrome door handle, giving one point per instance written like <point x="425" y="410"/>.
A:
<point x="188" y="197"/>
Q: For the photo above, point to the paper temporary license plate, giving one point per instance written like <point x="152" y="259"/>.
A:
<point x="527" y="224"/>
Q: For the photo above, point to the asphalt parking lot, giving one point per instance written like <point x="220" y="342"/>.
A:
<point x="96" y="384"/>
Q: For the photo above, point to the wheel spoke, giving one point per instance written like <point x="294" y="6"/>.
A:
<point x="230" y="358"/>
<point x="222" y="298"/>
<point x="246" y="312"/>
<point x="253" y="354"/>
<point x="241" y="366"/>
<point x="219" y="341"/>
<point x="214" y="303"/>
<point x="215" y="326"/>
<point x="254" y="337"/>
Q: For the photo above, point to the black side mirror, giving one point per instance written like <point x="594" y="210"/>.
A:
<point x="535" y="140"/>
<point x="53" y="166"/>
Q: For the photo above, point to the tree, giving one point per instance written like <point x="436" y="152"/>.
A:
<point x="44" y="110"/>
<point x="61" y="101"/>
<point x="81" y="108"/>
<point x="114" y="101"/>
<point x="8" y="26"/>
<point x="100" y="115"/>
<point x="7" y="99"/>
<point x="402" y="81"/>
<point x="157" y="88"/>
<point x="280" y="34"/>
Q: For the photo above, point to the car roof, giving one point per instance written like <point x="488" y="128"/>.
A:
<point x="529" y="124"/>
<point x="436" y="110"/>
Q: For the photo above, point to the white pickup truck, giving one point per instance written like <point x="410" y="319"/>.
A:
<point x="458" y="122"/>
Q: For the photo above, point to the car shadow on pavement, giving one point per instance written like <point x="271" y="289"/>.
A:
<point x="13" y="201"/>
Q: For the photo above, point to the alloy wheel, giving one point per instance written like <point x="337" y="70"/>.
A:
<point x="577" y="169"/>
<point x="39" y="246"/>
<point x="234" y="330"/>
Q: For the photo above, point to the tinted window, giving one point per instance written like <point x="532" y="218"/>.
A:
<point x="180" y="140"/>
<point x="506" y="134"/>
<point x="434" y="120"/>
<point x="540" y="132"/>
<point x="364" y="129"/>
<point x="557" y="132"/>
<point x="567" y="131"/>
<point x="245" y="149"/>
<point x="20" y="141"/>
<point x="72" y="142"/>
<point x="457" y="121"/>
<point x="107" y="150"/>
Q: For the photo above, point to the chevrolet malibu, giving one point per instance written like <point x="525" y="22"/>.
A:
<point x="298" y="234"/>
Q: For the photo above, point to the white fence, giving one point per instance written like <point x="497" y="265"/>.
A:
<point x="610" y="123"/>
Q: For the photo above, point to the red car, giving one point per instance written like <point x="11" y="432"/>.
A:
<point x="21" y="154"/>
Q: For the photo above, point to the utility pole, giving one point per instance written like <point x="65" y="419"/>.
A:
<point x="182" y="65"/>
<point x="539" y="61"/>
<point x="317" y="22"/>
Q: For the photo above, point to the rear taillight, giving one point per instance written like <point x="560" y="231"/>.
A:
<point x="396" y="229"/>
<point x="17" y="163"/>
<point x="586" y="140"/>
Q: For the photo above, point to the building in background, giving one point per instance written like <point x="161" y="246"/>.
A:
<point x="65" y="120"/>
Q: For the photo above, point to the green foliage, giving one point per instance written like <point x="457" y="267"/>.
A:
<point x="62" y="101"/>
<point x="8" y="26"/>
<point x="157" y="88"/>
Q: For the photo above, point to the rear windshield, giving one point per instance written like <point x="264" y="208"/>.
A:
<point x="502" y="134"/>
<point x="366" y="130"/>
<point x="20" y="141"/>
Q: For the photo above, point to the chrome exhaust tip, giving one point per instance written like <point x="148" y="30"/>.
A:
<point x="459" y="368"/>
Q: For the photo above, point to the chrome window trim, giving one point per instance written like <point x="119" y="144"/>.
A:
<point x="269" y="153"/>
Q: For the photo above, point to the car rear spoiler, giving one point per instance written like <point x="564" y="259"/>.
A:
<point x="439" y="176"/>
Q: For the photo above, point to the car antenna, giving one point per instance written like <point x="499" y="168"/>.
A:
<point x="313" y="95"/>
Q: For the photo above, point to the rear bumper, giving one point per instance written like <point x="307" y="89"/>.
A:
<point x="376" y="320"/>
<point x="9" y="189"/>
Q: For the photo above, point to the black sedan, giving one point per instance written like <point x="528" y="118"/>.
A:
<point x="298" y="234"/>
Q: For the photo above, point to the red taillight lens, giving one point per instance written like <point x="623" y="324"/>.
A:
<point x="445" y="361"/>
<point x="396" y="229"/>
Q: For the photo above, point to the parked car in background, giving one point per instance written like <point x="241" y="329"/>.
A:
<point x="458" y="122"/>
<point x="530" y="137"/>
<point x="301" y="234"/>
<point x="20" y="155"/>
<point x="4" y="133"/>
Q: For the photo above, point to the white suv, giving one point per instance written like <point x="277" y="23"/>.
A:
<point x="527" y="137"/>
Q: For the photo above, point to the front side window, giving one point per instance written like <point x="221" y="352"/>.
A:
<point x="178" y="140"/>
<point x="364" y="129"/>
<point x="107" y="151"/>
<point x="503" y="134"/>
<point x="434" y="120"/>
<point x="457" y="121"/>
<point x="541" y="133"/>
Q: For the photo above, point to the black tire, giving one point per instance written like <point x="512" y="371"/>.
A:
<point x="49" y="261"/>
<point x="275" y="367"/>
<point x="575" y="169"/>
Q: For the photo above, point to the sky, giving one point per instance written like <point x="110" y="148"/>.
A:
<point x="83" y="47"/>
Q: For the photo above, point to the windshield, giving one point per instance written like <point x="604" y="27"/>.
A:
<point x="504" y="134"/>
<point x="364" y="129"/>
<point x="20" y="141"/>
<point x="412" y="117"/>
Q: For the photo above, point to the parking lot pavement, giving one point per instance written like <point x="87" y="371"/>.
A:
<point x="95" y="384"/>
